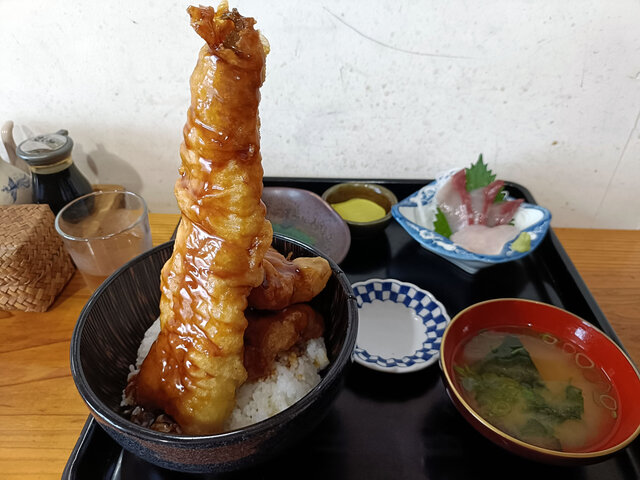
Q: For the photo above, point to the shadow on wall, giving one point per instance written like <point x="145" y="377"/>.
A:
<point x="108" y="168"/>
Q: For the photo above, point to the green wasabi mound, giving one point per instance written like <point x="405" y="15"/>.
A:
<point x="522" y="243"/>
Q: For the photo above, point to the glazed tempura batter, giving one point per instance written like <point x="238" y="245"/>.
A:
<point x="195" y="366"/>
<point x="289" y="281"/>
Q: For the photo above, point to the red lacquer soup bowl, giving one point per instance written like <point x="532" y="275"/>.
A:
<point x="564" y="391"/>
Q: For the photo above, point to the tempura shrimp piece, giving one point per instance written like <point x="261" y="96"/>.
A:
<point x="196" y="364"/>
<point x="272" y="333"/>
<point x="287" y="282"/>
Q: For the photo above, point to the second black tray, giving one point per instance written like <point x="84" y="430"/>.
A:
<point x="390" y="426"/>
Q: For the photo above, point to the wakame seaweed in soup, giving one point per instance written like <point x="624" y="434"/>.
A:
<point x="537" y="389"/>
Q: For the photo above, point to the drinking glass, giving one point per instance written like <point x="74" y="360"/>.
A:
<point x="102" y="231"/>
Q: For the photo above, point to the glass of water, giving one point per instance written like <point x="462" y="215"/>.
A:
<point x="102" y="231"/>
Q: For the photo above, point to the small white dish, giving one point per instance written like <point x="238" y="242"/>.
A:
<point x="416" y="214"/>
<point x="400" y="326"/>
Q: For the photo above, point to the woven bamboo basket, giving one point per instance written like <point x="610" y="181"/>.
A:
<point x="34" y="267"/>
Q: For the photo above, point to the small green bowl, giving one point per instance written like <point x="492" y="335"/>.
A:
<point x="384" y="197"/>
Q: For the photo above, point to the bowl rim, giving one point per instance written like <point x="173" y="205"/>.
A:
<point x="461" y="254"/>
<point x="125" y="427"/>
<point x="367" y="185"/>
<point x="451" y="387"/>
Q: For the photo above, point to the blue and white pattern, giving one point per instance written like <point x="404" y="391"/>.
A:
<point x="422" y="307"/>
<point x="15" y="185"/>
<point x="416" y="214"/>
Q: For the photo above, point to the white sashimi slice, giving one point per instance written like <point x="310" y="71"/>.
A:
<point x="482" y="200"/>
<point x="454" y="201"/>
<point x="479" y="206"/>
<point x="484" y="240"/>
<point x="503" y="212"/>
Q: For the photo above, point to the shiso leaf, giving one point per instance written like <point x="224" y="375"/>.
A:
<point x="501" y="196"/>
<point x="479" y="175"/>
<point x="440" y="224"/>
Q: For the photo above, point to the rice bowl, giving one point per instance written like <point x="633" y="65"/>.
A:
<point x="109" y="332"/>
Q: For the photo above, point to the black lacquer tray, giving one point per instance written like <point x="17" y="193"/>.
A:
<point x="390" y="426"/>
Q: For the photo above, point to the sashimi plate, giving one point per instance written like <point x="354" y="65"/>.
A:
<point x="417" y="212"/>
<point x="400" y="326"/>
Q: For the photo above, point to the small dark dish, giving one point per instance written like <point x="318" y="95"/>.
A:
<point x="304" y="216"/>
<point x="582" y="344"/>
<point x="369" y="191"/>
<point x="111" y="327"/>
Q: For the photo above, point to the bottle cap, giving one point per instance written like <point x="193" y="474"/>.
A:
<point x="46" y="149"/>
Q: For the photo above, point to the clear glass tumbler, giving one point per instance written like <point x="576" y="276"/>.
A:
<point x="102" y="231"/>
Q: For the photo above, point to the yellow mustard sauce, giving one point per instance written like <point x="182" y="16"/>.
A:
<point x="359" y="210"/>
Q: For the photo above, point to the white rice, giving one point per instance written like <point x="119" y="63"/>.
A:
<point x="293" y="378"/>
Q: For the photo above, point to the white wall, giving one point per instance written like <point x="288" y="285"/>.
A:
<point x="549" y="91"/>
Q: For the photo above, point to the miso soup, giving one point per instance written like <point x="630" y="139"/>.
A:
<point x="537" y="388"/>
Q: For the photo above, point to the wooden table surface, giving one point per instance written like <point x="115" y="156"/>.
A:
<point x="41" y="413"/>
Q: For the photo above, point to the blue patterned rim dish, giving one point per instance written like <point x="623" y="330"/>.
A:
<point x="416" y="214"/>
<point x="400" y="327"/>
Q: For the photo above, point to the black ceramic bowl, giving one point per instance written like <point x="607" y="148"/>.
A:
<point x="111" y="327"/>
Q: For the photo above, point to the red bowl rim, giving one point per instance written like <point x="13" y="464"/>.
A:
<point x="527" y="446"/>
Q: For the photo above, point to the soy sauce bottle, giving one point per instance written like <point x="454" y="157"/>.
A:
<point x="56" y="179"/>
